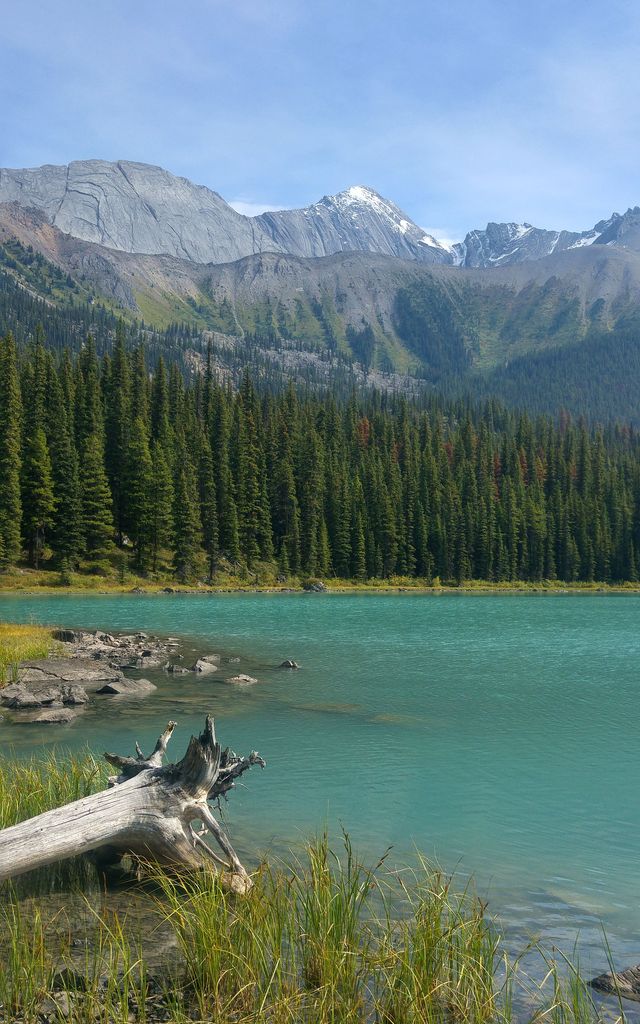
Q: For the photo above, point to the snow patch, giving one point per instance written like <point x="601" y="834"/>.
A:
<point x="588" y="239"/>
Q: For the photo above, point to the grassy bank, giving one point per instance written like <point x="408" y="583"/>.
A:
<point x="320" y="939"/>
<point x="267" y="581"/>
<point x="20" y="643"/>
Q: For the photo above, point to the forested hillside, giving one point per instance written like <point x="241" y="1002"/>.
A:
<point x="102" y="460"/>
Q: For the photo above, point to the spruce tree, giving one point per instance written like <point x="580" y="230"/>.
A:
<point x="186" y="520"/>
<point x="10" y="453"/>
<point x="97" y="518"/>
<point x="161" y="503"/>
<point x="38" y="502"/>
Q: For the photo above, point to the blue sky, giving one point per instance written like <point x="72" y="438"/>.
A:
<point x="461" y="112"/>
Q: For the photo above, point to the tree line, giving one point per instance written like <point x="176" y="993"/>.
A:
<point x="100" y="456"/>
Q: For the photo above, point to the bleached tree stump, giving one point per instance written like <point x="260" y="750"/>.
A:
<point x="148" y="810"/>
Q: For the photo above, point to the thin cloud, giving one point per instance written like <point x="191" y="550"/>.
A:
<point x="249" y="208"/>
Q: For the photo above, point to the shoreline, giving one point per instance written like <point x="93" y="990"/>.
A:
<point x="341" y="588"/>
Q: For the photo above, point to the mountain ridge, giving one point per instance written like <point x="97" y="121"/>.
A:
<point x="142" y="208"/>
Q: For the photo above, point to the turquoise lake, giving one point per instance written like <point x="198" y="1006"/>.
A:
<point x="498" y="734"/>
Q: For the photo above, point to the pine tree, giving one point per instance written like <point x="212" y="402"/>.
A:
<point x="66" y="532"/>
<point x="208" y="505"/>
<point x="186" y="520"/>
<point x="161" y="503"/>
<point x="10" y="457"/>
<point x="38" y="502"/>
<point x="118" y="418"/>
<point x="97" y="519"/>
<point x="139" y="496"/>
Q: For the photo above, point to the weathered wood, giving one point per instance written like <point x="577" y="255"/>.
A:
<point x="148" y="811"/>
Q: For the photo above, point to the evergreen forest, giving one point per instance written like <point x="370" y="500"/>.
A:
<point x="107" y="462"/>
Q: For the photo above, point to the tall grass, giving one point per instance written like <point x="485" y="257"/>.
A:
<point x="21" y="643"/>
<point x="34" y="785"/>
<point x="320" y="939"/>
<point x="328" y="940"/>
<point x="39" y="783"/>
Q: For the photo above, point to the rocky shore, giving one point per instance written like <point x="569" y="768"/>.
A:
<point x="90" y="666"/>
<point x="93" y="665"/>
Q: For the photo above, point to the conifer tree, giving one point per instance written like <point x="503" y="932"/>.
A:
<point x="10" y="457"/>
<point x="66" y="532"/>
<point x="137" y="481"/>
<point x="186" y="519"/>
<point x="38" y="502"/>
<point x="161" y="503"/>
<point x="118" y="418"/>
<point x="97" y="519"/>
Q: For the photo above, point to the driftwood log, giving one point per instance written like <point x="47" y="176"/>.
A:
<point x="148" y="810"/>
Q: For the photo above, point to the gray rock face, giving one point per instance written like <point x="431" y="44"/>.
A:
<point x="356" y="220"/>
<point x="504" y="244"/>
<point x="47" y="671"/>
<point x="134" y="207"/>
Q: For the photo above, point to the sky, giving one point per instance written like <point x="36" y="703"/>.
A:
<point x="461" y="111"/>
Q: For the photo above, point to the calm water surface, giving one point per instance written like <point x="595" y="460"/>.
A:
<point x="499" y="734"/>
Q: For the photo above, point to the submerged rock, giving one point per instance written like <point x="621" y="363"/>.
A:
<point x="242" y="680"/>
<point x="289" y="663"/>
<point x="625" y="983"/>
<point x="51" y="716"/>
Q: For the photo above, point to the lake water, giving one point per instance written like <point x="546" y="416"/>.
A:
<point x="497" y="734"/>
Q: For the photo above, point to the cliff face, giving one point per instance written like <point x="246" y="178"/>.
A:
<point x="139" y="208"/>
<point x="135" y="207"/>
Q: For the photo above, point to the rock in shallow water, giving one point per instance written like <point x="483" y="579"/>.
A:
<point x="48" y="671"/>
<point x="625" y="983"/>
<point x="242" y="680"/>
<point x="204" y="665"/>
<point x="129" y="687"/>
<point x="50" y="716"/>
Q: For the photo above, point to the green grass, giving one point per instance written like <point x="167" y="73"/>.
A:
<point x="320" y="939"/>
<point x="20" y="643"/>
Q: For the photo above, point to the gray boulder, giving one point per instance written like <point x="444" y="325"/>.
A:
<point x="47" y="671"/>
<point x="204" y="666"/>
<point x="17" y="696"/>
<point x="128" y="687"/>
<point x="289" y="663"/>
<point x="68" y="636"/>
<point x="242" y="680"/>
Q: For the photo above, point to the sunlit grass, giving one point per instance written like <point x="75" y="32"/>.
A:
<point x="321" y="938"/>
<point x="37" y="784"/>
<point x="20" y="643"/>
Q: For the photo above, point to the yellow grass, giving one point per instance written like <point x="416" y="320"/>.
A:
<point x="19" y="643"/>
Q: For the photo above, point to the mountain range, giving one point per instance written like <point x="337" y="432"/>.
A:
<point x="350" y="274"/>
<point x="139" y="208"/>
